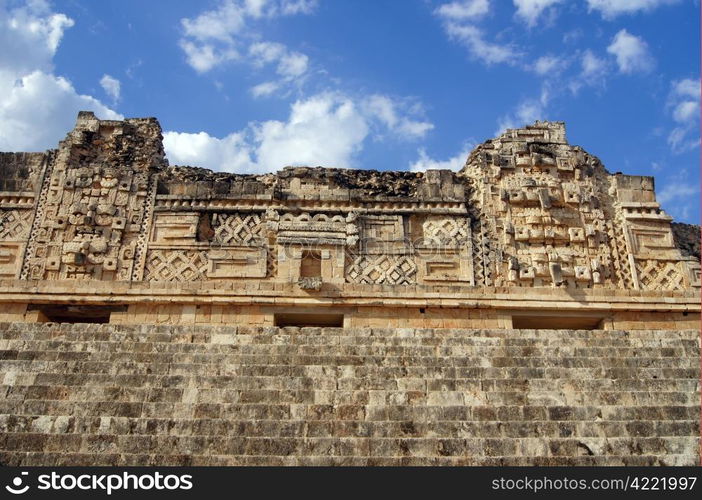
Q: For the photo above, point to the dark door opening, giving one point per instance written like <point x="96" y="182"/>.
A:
<point x="309" y="319"/>
<point x="59" y="313"/>
<point x="538" y="322"/>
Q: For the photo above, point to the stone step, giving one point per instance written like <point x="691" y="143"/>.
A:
<point x="342" y="446"/>
<point x="443" y="407"/>
<point x="470" y="337"/>
<point x="535" y="428"/>
<point x="335" y="359"/>
<point x="287" y="393"/>
<point x="8" y="347"/>
<point x="228" y="395"/>
<point x="28" y="459"/>
<point x="291" y="353"/>
<point x="197" y="333"/>
<point x="261" y="377"/>
<point x="352" y="377"/>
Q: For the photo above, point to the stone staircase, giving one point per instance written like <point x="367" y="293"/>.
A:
<point x="105" y="394"/>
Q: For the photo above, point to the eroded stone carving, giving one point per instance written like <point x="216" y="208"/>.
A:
<point x="527" y="210"/>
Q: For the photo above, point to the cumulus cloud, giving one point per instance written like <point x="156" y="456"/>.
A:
<point x="111" y="86"/>
<point x="531" y="10"/>
<point x="684" y="106"/>
<point x="631" y="53"/>
<point x="326" y="129"/>
<point x="30" y="36"/>
<point x="36" y="106"/>
<point x="455" y="163"/>
<point x="609" y="9"/>
<point x="227" y="33"/>
<point x="229" y="153"/>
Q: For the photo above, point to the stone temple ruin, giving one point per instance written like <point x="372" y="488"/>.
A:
<point x="530" y="309"/>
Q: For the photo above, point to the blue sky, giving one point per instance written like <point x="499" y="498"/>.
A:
<point x="253" y="85"/>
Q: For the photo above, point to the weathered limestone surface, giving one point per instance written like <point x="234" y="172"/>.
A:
<point x="687" y="239"/>
<point x="203" y="395"/>
<point x="531" y="308"/>
<point x="527" y="210"/>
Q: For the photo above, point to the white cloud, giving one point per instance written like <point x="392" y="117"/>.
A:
<point x="290" y="64"/>
<point x="266" y="52"/>
<point x="38" y="110"/>
<point x="463" y="10"/>
<point x="203" y="57"/>
<point x="675" y="197"/>
<point x="593" y="66"/>
<point x="291" y="7"/>
<point x="36" y="106"/>
<point x="473" y="39"/>
<point x="613" y="8"/>
<point x="459" y="18"/>
<point x="684" y="105"/>
<point x="527" y="111"/>
<point x="29" y="36"/>
<point x="531" y="10"/>
<point x="549" y="64"/>
<point x="390" y="114"/>
<point x="455" y="163"/>
<point x="631" y="53"/>
<point x="685" y="111"/>
<point x="593" y="73"/>
<point x="326" y="129"/>
<point x="230" y="153"/>
<point x="218" y="36"/>
<point x="111" y="86"/>
<point x="264" y="89"/>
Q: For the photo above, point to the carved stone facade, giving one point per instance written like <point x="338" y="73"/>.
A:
<point x="558" y="218"/>
<point x="527" y="211"/>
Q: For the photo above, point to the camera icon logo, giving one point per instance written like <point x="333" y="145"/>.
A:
<point x="17" y="483"/>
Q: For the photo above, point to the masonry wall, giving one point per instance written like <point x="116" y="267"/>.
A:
<point x="202" y="395"/>
<point x="530" y="225"/>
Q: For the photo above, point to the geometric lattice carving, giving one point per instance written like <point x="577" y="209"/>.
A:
<point x="382" y="270"/>
<point x="175" y="265"/>
<point x="15" y="224"/>
<point x="660" y="275"/>
<point x="478" y="261"/>
<point x="446" y="231"/>
<point x="619" y="253"/>
<point x="237" y="228"/>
